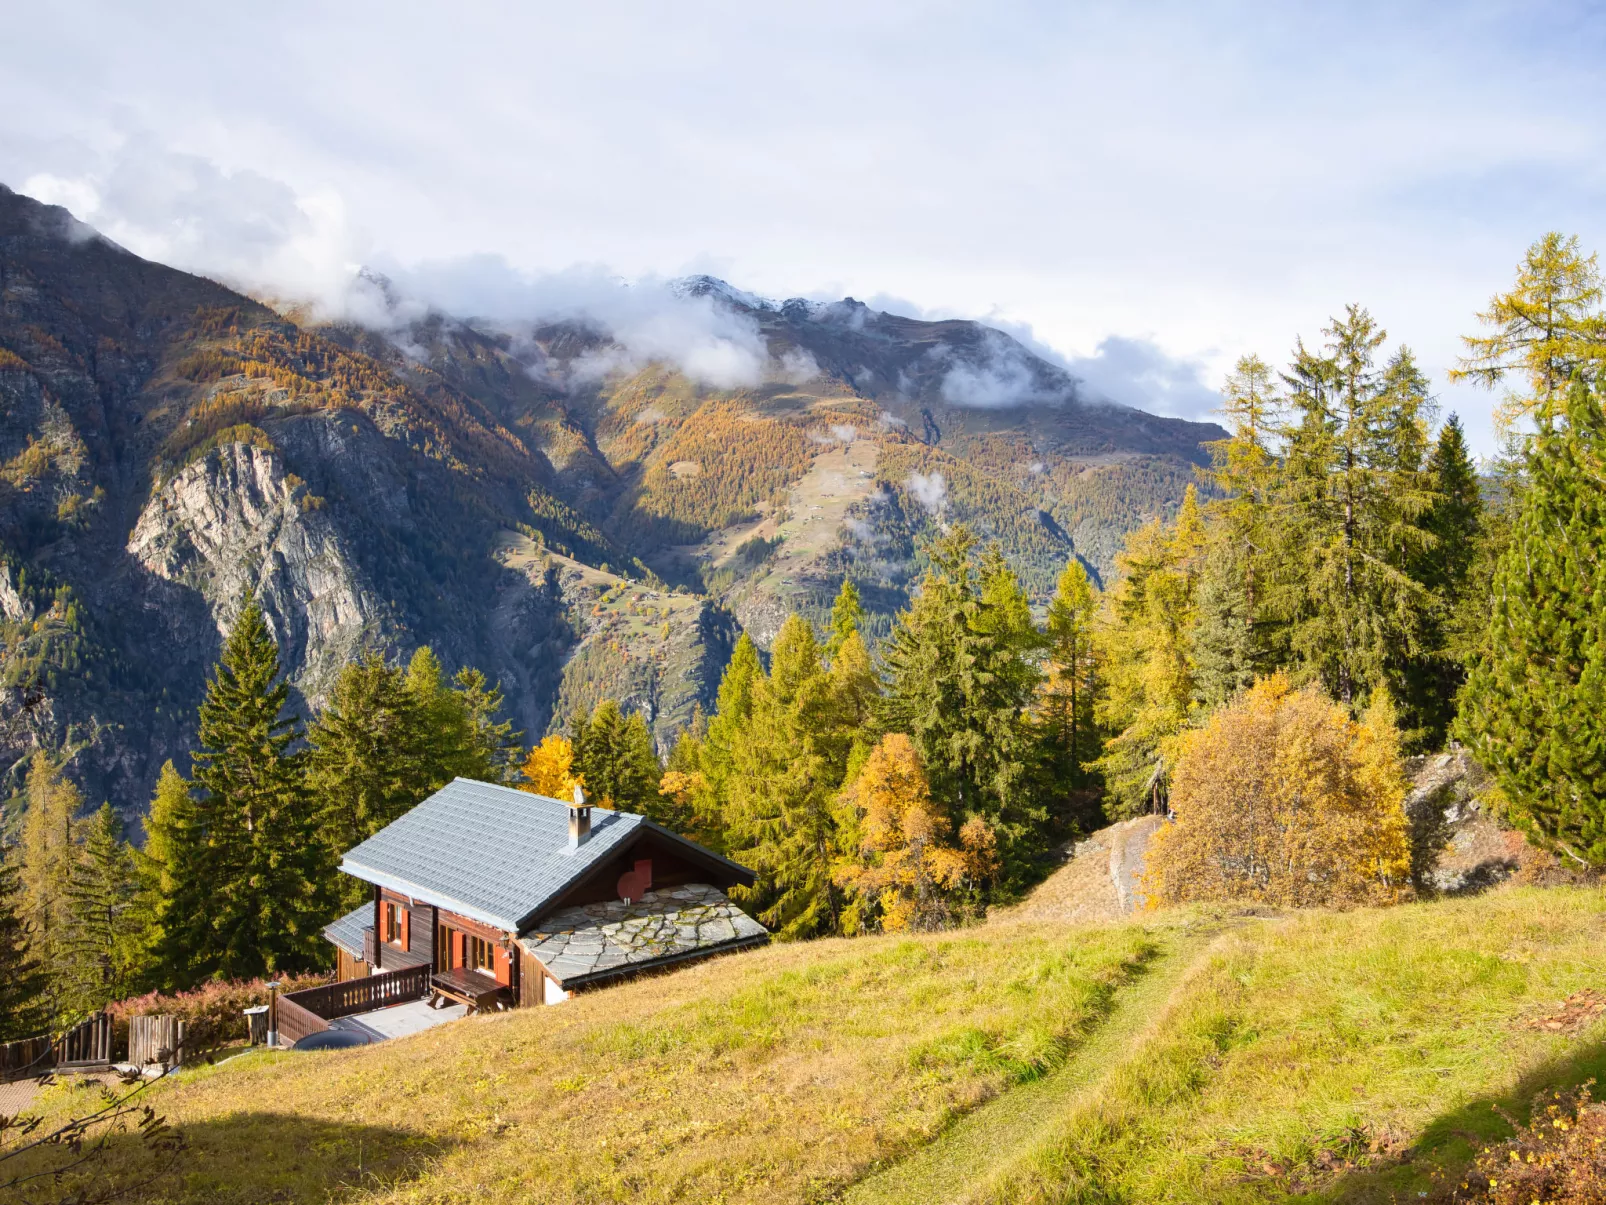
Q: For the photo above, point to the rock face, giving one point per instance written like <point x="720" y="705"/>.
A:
<point x="1459" y="846"/>
<point x="236" y="522"/>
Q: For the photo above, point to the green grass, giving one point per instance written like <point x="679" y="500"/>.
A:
<point x="1350" y="1057"/>
<point x="1199" y="1057"/>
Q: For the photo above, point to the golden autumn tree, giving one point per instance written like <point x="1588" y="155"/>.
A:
<point x="549" y="769"/>
<point x="1281" y="798"/>
<point x="907" y="868"/>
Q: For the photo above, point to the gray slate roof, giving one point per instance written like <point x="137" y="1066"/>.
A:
<point x="596" y="941"/>
<point x="347" y="931"/>
<point x="495" y="854"/>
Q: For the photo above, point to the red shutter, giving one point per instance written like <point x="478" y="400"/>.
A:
<point x="457" y="949"/>
<point x="406" y="928"/>
<point x="504" y="966"/>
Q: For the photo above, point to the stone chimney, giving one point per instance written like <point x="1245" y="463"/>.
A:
<point x="579" y="818"/>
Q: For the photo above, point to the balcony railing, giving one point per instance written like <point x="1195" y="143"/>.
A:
<point x="311" y="1009"/>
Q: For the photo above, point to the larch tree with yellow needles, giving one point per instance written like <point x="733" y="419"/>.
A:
<point x="907" y="872"/>
<point x="1282" y="798"/>
<point x="549" y="769"/>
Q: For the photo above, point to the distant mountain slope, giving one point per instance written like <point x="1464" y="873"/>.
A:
<point x="167" y="444"/>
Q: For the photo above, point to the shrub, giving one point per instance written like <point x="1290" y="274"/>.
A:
<point x="212" y="1013"/>
<point x="1281" y="798"/>
<point x="1559" y="1157"/>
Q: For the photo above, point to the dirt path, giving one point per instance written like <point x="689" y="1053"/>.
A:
<point x="988" y="1139"/>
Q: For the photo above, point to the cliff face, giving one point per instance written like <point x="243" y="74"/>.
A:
<point x="236" y="522"/>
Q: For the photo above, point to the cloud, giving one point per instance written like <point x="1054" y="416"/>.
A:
<point x="240" y="227"/>
<point x="1138" y="373"/>
<point x="259" y="235"/>
<point x="930" y="491"/>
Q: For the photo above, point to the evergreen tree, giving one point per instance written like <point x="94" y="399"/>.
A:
<point x="613" y="755"/>
<point x="1234" y="637"/>
<point x="732" y="709"/>
<point x="847" y="614"/>
<point x="1226" y="645"/>
<point x="166" y="879"/>
<point x="1352" y="494"/>
<point x="961" y="679"/>
<point x="256" y="887"/>
<point x="23" y="986"/>
<point x="493" y="748"/>
<point x="788" y="761"/>
<point x="367" y="759"/>
<point x="1533" y="710"/>
<point x="102" y="946"/>
<point x="461" y="735"/>
<point x="1433" y="677"/>
<point x="49" y="849"/>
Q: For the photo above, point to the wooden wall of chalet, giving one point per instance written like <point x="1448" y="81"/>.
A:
<point x="418" y="929"/>
<point x="670" y="868"/>
<point x="347" y="967"/>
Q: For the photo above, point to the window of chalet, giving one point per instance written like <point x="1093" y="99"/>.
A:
<point x="478" y="955"/>
<point x="454" y="948"/>
<point x="394" y="924"/>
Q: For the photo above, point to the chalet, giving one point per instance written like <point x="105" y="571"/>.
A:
<point x="510" y="898"/>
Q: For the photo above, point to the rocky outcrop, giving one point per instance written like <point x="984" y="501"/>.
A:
<point x="236" y="521"/>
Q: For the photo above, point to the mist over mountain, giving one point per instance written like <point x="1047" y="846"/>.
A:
<point x="586" y="495"/>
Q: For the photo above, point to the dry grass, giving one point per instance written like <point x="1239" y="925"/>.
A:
<point x="773" y="1076"/>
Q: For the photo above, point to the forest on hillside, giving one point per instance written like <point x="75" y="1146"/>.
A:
<point x="1345" y="588"/>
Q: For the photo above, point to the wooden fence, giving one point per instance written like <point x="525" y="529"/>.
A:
<point x="155" y="1039"/>
<point x="295" y="1022"/>
<point x="311" y="1009"/>
<point x="30" y="1056"/>
<point x="87" y="1046"/>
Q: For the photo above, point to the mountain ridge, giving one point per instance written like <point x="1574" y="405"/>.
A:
<point x="167" y="443"/>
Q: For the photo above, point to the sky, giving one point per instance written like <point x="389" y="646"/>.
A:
<point x="1147" y="190"/>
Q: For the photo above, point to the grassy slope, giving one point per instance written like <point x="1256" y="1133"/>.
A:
<point x="771" y="1076"/>
<point x="789" y="1074"/>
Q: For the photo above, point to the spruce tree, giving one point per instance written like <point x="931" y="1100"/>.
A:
<point x="492" y="752"/>
<point x="788" y="763"/>
<point x="847" y="614"/>
<point x="168" y="885"/>
<point x="368" y="759"/>
<point x="960" y="683"/>
<point x="1434" y="676"/>
<point x="23" y="1009"/>
<point x="458" y="729"/>
<point x="1351" y="496"/>
<point x="732" y="708"/>
<point x="1533" y="710"/>
<point x="102" y="946"/>
<point x="258" y="884"/>
<point x="613" y="754"/>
